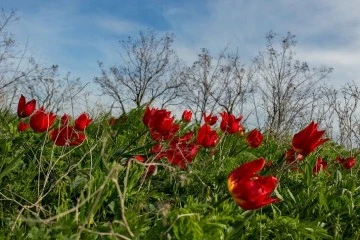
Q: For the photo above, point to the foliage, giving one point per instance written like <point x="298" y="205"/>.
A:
<point x="99" y="191"/>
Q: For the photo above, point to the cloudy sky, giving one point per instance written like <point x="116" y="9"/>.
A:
<point x="75" y="34"/>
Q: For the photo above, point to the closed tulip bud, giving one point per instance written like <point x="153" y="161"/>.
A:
<point x="25" y="109"/>
<point x="347" y="163"/>
<point x="320" y="165"/>
<point x="210" y="119"/>
<point x="254" y="138"/>
<point x="82" y="122"/>
<point x="22" y="126"/>
<point x="65" y="119"/>
<point x="186" y="116"/>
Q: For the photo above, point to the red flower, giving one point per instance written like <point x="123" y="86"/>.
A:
<point x="210" y="119"/>
<point x="250" y="190"/>
<point x="82" y="122"/>
<point x="180" y="151"/>
<point x="66" y="136"/>
<point x="186" y="116"/>
<point x="150" y="170"/>
<point x="229" y="123"/>
<point x="207" y="137"/>
<point x="65" y="119"/>
<point x="24" y="108"/>
<point x="158" y="151"/>
<point x="291" y="156"/>
<point x="41" y="121"/>
<point x="305" y="141"/>
<point x="185" y="138"/>
<point x="254" y="138"/>
<point x="140" y="158"/>
<point x="161" y="125"/>
<point x="319" y="165"/>
<point x="22" y="126"/>
<point x="347" y="163"/>
<point x="181" y="154"/>
<point x="148" y="114"/>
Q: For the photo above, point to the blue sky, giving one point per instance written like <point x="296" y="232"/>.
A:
<point x="75" y="34"/>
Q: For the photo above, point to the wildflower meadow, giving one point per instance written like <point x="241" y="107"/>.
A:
<point x="148" y="175"/>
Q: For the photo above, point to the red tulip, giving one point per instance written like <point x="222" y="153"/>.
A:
<point x="24" y="108"/>
<point x="229" y="123"/>
<point x="183" y="139"/>
<point x="180" y="151"/>
<point x="66" y="136"/>
<point x="139" y="158"/>
<point x="158" y="151"/>
<point x="150" y="170"/>
<point x="82" y="122"/>
<point x="207" y="137"/>
<point x="347" y="163"/>
<point x="305" y="141"/>
<point x="254" y="138"/>
<point x="181" y="154"/>
<point x="250" y="190"/>
<point x="65" y="119"/>
<point x="210" y="119"/>
<point x="186" y="116"/>
<point x="291" y="156"/>
<point x="148" y="114"/>
<point x="319" y="165"/>
<point x="22" y="126"/>
<point x="41" y="121"/>
<point x="161" y="125"/>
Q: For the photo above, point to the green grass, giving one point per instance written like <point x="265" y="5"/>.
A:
<point x="93" y="191"/>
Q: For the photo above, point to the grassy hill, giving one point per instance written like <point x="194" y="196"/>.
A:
<point x="101" y="190"/>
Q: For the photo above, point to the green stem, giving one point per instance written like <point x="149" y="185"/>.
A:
<point x="242" y="149"/>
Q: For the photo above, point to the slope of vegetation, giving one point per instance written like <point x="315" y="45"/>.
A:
<point x="100" y="190"/>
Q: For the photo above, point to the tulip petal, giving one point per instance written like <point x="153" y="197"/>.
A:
<point x="248" y="169"/>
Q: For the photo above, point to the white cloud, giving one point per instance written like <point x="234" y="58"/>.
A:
<point x="328" y="31"/>
<point x="338" y="57"/>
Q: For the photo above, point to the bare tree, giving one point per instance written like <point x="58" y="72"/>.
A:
<point x="200" y="81"/>
<point x="11" y="59"/>
<point x="288" y="87"/>
<point x="345" y="105"/>
<point x="16" y="64"/>
<point x="52" y="91"/>
<point x="7" y="44"/>
<point x="220" y="83"/>
<point x="148" y="72"/>
<point x="234" y="85"/>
